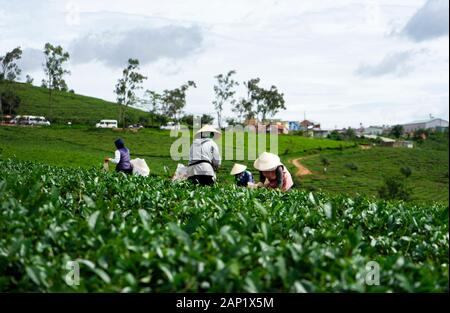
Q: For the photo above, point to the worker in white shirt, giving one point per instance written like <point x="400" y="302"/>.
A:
<point x="121" y="158"/>
<point x="204" y="157"/>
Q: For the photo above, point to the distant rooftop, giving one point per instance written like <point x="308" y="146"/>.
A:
<point x="424" y="121"/>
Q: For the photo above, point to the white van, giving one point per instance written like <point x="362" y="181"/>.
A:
<point x="31" y="120"/>
<point x="107" y="124"/>
<point x="171" y="126"/>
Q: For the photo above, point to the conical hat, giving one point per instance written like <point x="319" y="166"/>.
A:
<point x="267" y="162"/>
<point x="208" y="129"/>
<point x="237" y="169"/>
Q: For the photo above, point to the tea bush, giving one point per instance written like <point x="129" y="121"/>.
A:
<point x="136" y="234"/>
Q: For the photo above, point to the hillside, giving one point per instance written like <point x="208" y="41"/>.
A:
<point x="87" y="146"/>
<point x="429" y="179"/>
<point x="69" y="107"/>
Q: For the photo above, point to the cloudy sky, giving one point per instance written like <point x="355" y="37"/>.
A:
<point x="342" y="62"/>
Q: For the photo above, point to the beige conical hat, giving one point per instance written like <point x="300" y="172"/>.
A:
<point x="267" y="162"/>
<point x="237" y="169"/>
<point x="208" y="129"/>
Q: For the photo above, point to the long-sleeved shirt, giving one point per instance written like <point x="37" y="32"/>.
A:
<point x="116" y="159"/>
<point x="207" y="150"/>
<point x="244" y="178"/>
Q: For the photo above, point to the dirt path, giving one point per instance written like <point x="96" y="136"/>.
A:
<point x="301" y="170"/>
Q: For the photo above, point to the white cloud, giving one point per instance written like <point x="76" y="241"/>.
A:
<point x="311" y="50"/>
<point x="397" y="63"/>
<point x="148" y="45"/>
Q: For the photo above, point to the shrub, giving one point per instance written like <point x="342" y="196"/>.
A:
<point x="351" y="166"/>
<point x="325" y="162"/>
<point x="394" y="187"/>
<point x="147" y="234"/>
<point x="406" y="171"/>
<point x="396" y="131"/>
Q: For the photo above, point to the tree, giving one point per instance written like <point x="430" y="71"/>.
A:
<point x="29" y="80"/>
<point x="244" y="109"/>
<point x="152" y="103"/>
<point x="187" y="120"/>
<point x="174" y="101"/>
<point x="10" y="102"/>
<point x="207" y="119"/>
<point x="325" y="163"/>
<point x="55" y="57"/>
<point x="421" y="134"/>
<point x="10" y="71"/>
<point x="260" y="102"/>
<point x="153" y="99"/>
<point x="271" y="102"/>
<point x="394" y="187"/>
<point x="335" y="135"/>
<point x="126" y="86"/>
<point x="224" y="93"/>
<point x="349" y="133"/>
<point x="232" y="121"/>
<point x="397" y="131"/>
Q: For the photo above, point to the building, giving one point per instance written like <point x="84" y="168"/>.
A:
<point x="294" y="126"/>
<point x="374" y="137"/>
<point x="308" y="124"/>
<point x="432" y="123"/>
<point x="278" y="128"/>
<point x="373" y="130"/>
<point x="404" y="144"/>
<point x="441" y="129"/>
<point x="253" y="125"/>
<point x="387" y="142"/>
<point x="320" y="133"/>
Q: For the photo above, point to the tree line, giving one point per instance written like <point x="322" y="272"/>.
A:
<point x="259" y="103"/>
<point x="54" y="71"/>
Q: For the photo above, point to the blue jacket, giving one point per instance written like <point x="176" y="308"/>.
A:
<point x="244" y="178"/>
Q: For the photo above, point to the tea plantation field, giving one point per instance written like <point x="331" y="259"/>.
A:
<point x="428" y="181"/>
<point x="135" y="234"/>
<point x="83" y="146"/>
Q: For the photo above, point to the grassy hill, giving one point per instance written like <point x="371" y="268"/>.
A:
<point x="87" y="146"/>
<point x="428" y="162"/>
<point x="84" y="146"/>
<point x="429" y="179"/>
<point x="69" y="107"/>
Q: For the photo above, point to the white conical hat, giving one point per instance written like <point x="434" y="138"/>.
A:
<point x="208" y="129"/>
<point x="267" y="162"/>
<point x="237" y="169"/>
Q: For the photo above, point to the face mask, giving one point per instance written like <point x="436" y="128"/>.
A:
<point x="207" y="135"/>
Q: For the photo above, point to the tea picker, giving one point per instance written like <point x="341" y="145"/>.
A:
<point x="273" y="173"/>
<point x="242" y="177"/>
<point x="124" y="163"/>
<point x="204" y="157"/>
